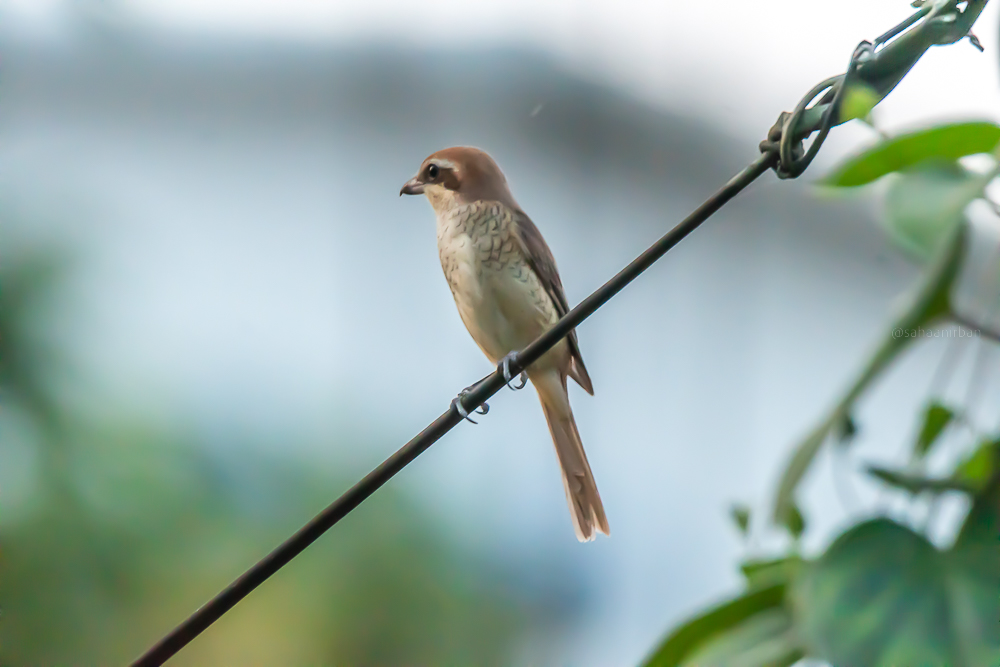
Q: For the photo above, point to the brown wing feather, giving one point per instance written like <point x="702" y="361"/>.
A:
<point x="540" y="258"/>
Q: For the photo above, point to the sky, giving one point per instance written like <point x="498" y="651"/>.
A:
<point x="756" y="52"/>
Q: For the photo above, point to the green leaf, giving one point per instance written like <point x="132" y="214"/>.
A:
<point x="970" y="476"/>
<point x="925" y="204"/>
<point x="697" y="633"/>
<point x="883" y="595"/>
<point x="794" y="522"/>
<point x="764" y="640"/>
<point x="977" y="550"/>
<point x="946" y="142"/>
<point x="741" y="517"/>
<point x="977" y="470"/>
<point x="768" y="572"/>
<point x="805" y="452"/>
<point x="981" y="529"/>
<point x="847" y="429"/>
<point x="858" y="102"/>
<point x="917" y="483"/>
<point x="936" y="417"/>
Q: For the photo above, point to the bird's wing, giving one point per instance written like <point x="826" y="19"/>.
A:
<point x="541" y="261"/>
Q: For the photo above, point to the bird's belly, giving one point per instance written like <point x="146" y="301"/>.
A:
<point x="502" y="303"/>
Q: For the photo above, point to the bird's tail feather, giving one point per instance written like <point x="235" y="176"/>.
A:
<point x="581" y="490"/>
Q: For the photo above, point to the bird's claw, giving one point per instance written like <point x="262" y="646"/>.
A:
<point x="460" y="409"/>
<point x="508" y="378"/>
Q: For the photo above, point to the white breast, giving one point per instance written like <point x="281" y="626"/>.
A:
<point x="460" y="265"/>
<point x="470" y="283"/>
<point x="499" y="298"/>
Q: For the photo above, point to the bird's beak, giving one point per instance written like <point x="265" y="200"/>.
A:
<point x="412" y="187"/>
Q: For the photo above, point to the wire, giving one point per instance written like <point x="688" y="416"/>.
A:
<point x="195" y="624"/>
<point x="827" y="116"/>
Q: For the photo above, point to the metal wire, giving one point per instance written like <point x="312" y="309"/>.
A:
<point x="822" y="117"/>
<point x="293" y="546"/>
<point x="792" y="165"/>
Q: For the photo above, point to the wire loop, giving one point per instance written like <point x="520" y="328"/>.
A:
<point x="786" y="138"/>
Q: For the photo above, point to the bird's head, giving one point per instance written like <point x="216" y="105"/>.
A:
<point x="457" y="176"/>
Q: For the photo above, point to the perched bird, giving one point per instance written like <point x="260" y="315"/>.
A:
<point x="508" y="292"/>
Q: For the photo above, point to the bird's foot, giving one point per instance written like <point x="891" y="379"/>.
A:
<point x="460" y="409"/>
<point x="504" y="369"/>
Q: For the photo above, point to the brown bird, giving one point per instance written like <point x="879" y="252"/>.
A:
<point x="508" y="292"/>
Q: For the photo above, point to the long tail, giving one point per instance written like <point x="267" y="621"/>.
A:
<point x="581" y="490"/>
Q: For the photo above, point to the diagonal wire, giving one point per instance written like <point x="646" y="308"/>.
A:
<point x="296" y="544"/>
<point x="882" y="70"/>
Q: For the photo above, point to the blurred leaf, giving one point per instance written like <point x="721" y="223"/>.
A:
<point x="858" y="102"/>
<point x="772" y="571"/>
<point x="685" y="641"/>
<point x="913" y="483"/>
<point x="928" y="304"/>
<point x="805" y="452"/>
<point x="926" y="203"/>
<point x="977" y="549"/>
<point x="794" y="522"/>
<point x="970" y="476"/>
<point x="980" y="532"/>
<point x="159" y="527"/>
<point x="883" y="595"/>
<point x="741" y="517"/>
<point x="936" y="418"/>
<point x="765" y="640"/>
<point x="847" y="429"/>
<point x="145" y="525"/>
<point x="977" y="470"/>
<point x="28" y="361"/>
<point x="945" y="142"/>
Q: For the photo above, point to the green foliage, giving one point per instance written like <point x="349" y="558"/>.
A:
<point x="970" y="475"/>
<point x="858" y="102"/>
<point x="946" y="142"/>
<point x="884" y="595"/>
<point x="740" y="514"/>
<point x="796" y="468"/>
<point x="914" y="483"/>
<point x="847" y="429"/>
<point x="766" y="639"/>
<point x="129" y="528"/>
<point x="727" y="631"/>
<point x="755" y="629"/>
<point x="976" y="471"/>
<point x="95" y="579"/>
<point x="936" y="418"/>
<point x="771" y="571"/>
<point x="793" y="521"/>
<point x="927" y="305"/>
<point x="925" y="217"/>
<point x="925" y="204"/>
<point x="881" y="595"/>
<point x="28" y="361"/>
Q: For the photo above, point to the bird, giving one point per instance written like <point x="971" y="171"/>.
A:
<point x="506" y="286"/>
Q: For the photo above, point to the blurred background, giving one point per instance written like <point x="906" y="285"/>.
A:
<point x="216" y="314"/>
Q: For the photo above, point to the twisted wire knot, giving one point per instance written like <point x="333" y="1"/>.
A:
<point x="786" y="136"/>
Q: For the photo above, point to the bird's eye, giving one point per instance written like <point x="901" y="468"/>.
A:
<point x="432" y="171"/>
